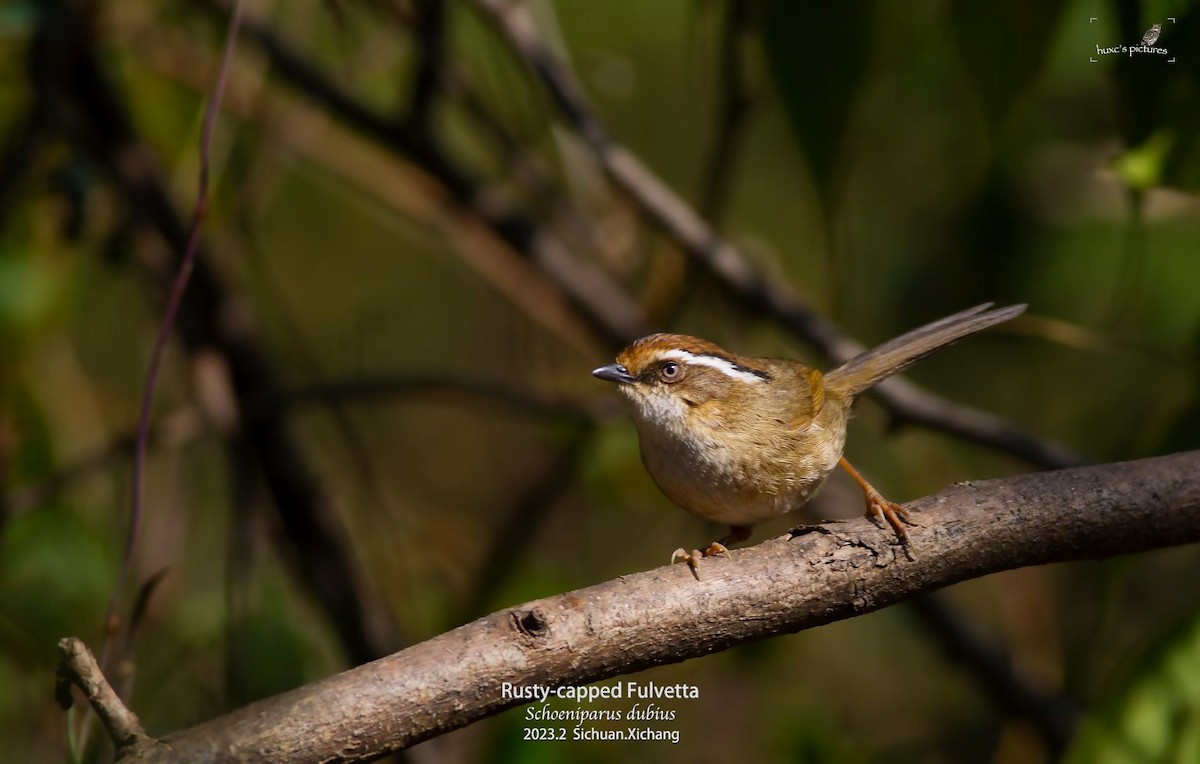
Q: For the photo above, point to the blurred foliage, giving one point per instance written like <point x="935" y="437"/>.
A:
<point x="817" y="56"/>
<point x="899" y="162"/>
<point x="1156" y="717"/>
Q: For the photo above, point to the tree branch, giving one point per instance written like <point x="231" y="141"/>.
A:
<point x="813" y="576"/>
<point x="78" y="667"/>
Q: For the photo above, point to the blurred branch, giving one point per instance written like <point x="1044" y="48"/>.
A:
<point x="211" y="321"/>
<point x="903" y="400"/>
<point x="1053" y="718"/>
<point x="190" y="423"/>
<point x="396" y="133"/>
<point x="815" y="575"/>
<point x="175" y="429"/>
<point x="610" y="313"/>
<point x="17" y="149"/>
<point x="734" y="102"/>
<point x="389" y="386"/>
<point x="427" y="81"/>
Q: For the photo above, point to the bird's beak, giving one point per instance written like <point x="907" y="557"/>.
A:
<point x="614" y="372"/>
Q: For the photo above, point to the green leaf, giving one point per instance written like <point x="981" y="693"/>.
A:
<point x="1142" y="166"/>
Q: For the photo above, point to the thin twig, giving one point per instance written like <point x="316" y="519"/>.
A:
<point x="77" y="667"/>
<point x="905" y="402"/>
<point x="167" y="327"/>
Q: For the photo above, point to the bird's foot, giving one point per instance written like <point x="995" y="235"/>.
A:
<point x="880" y="509"/>
<point x="693" y="558"/>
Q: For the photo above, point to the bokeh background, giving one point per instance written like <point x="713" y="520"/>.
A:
<point x="376" y="419"/>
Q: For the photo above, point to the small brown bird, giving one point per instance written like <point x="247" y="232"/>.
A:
<point x="742" y="440"/>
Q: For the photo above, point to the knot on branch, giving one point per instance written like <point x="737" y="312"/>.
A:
<point x="531" y="623"/>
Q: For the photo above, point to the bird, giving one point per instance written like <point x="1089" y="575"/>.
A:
<point x="739" y="441"/>
<point x="1152" y="34"/>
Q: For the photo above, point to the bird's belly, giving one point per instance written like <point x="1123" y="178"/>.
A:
<point x="734" y="506"/>
<point x="709" y="480"/>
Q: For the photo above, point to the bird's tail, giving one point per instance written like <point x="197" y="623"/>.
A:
<point x="876" y="365"/>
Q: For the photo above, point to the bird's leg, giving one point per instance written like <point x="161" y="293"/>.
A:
<point x="736" y="533"/>
<point x="879" y="508"/>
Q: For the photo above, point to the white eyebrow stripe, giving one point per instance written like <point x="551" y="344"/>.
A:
<point x="713" y="362"/>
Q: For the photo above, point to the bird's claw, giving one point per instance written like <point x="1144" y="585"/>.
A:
<point x="880" y="509"/>
<point x="693" y="558"/>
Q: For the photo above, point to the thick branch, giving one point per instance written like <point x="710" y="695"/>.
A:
<point x="818" y="575"/>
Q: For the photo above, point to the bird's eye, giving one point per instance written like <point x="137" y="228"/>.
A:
<point x="670" y="372"/>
